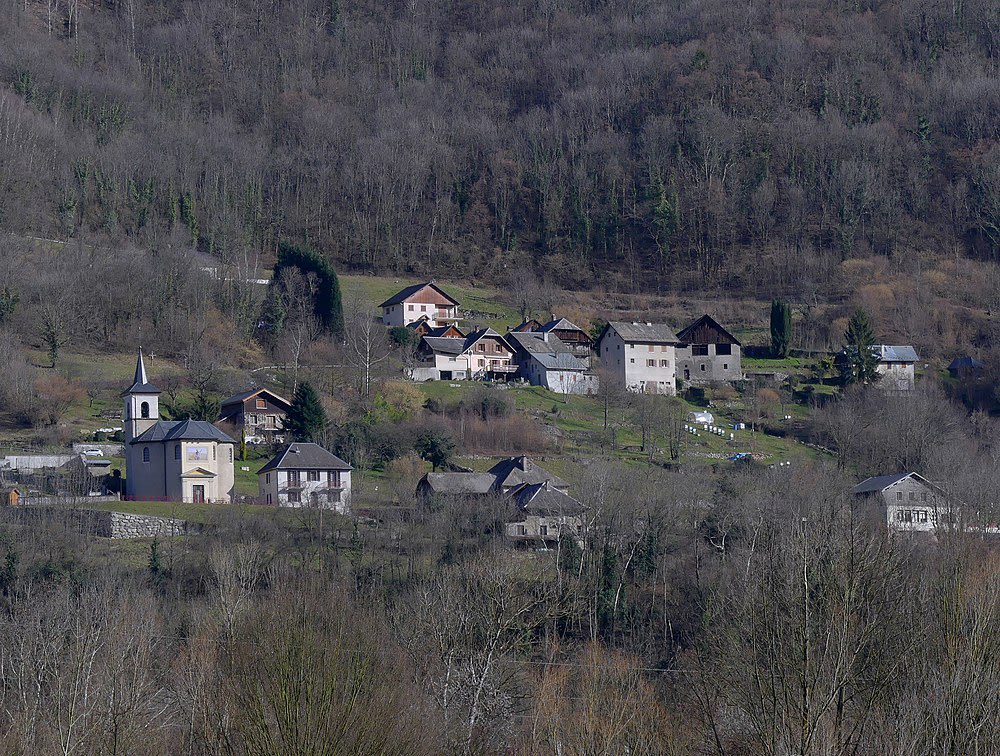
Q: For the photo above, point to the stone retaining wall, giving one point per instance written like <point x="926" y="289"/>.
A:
<point x="111" y="524"/>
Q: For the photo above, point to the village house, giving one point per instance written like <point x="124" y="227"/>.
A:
<point x="542" y="515"/>
<point x="482" y="355"/>
<point x="172" y="460"/>
<point x="708" y="353"/>
<point x="640" y="355"/>
<point x="306" y="475"/>
<point x="568" y="333"/>
<point x="545" y="360"/>
<point x="503" y="478"/>
<point x="896" y="366"/>
<point x="907" y="501"/>
<point x="420" y="300"/>
<point x="258" y="414"/>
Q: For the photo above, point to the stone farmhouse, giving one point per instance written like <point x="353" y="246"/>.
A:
<point x="640" y="355"/>
<point x="172" y="460"/>
<point x="483" y="354"/>
<point x="541" y="515"/>
<point x="570" y="334"/>
<point x="503" y="478"/>
<point x="907" y="502"/>
<point x="896" y="366"/>
<point x="545" y="360"/>
<point x="258" y="414"/>
<point x="426" y="300"/>
<point x="306" y="475"/>
<point x="708" y="353"/>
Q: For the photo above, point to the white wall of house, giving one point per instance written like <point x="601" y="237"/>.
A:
<point x="559" y="381"/>
<point x="912" y="506"/>
<point x="630" y="362"/>
<point x="327" y="489"/>
<point x="404" y="313"/>
<point x="896" y="376"/>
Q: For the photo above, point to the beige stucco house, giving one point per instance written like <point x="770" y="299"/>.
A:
<point x="640" y="355"/>
<point x="306" y="475"/>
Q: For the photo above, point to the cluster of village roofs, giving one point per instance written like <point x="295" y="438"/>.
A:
<point x="194" y="461"/>
<point x="558" y="355"/>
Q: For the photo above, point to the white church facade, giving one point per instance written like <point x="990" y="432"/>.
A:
<point x="172" y="460"/>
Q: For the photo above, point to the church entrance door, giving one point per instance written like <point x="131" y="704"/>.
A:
<point x="198" y="493"/>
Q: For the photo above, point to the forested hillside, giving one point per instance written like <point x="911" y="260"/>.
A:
<point x="643" y="144"/>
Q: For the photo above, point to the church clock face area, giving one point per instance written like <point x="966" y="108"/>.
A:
<point x="156" y="467"/>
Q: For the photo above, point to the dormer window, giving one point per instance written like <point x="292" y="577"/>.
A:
<point x="144" y="410"/>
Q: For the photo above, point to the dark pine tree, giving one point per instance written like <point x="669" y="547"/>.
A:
<point x="781" y="329"/>
<point x="860" y="361"/>
<point x="306" y="417"/>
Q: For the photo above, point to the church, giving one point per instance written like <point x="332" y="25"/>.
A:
<point x="172" y="460"/>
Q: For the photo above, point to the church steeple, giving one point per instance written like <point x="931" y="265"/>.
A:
<point x="142" y="402"/>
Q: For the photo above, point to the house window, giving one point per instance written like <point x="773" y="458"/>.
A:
<point x="213" y="452"/>
<point x="230" y="454"/>
<point x="333" y="479"/>
<point x="521" y="530"/>
<point x="267" y="477"/>
<point x="899" y="515"/>
<point x="312" y="475"/>
<point x="664" y="363"/>
<point x="145" y="454"/>
<point x="663" y="347"/>
<point x="703" y="367"/>
<point x="177" y="452"/>
<point x="899" y="495"/>
<point x="632" y="360"/>
<point x="699" y="350"/>
<point x="922" y="515"/>
<point x="543" y="530"/>
<point x="409" y="307"/>
<point x="913" y="496"/>
<point x="144" y="409"/>
<point x="651" y="347"/>
<point x="907" y="515"/>
<point x="269" y="499"/>
<point x="723" y="348"/>
<point x="293" y="477"/>
<point x="650" y="363"/>
<point x="294" y="496"/>
<point x="923" y="497"/>
<point x="725" y="366"/>
<point x="261" y="404"/>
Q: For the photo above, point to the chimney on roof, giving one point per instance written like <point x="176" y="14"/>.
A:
<point x="649" y="324"/>
<point x="545" y="336"/>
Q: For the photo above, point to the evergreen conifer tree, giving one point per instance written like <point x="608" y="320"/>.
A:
<point x="781" y="328"/>
<point x="306" y="417"/>
<point x="860" y="361"/>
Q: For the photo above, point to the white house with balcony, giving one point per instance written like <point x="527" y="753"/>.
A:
<point x="306" y="475"/>
<point x="640" y="355"/>
<point x="482" y="355"/>
<point x="426" y="300"/>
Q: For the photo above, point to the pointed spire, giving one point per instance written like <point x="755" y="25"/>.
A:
<point x="140" y="382"/>
<point x="140" y="371"/>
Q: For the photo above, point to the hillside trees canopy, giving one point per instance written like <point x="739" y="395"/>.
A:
<point x="652" y="143"/>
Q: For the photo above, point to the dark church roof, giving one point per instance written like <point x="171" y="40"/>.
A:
<point x="140" y="383"/>
<point x="182" y="430"/>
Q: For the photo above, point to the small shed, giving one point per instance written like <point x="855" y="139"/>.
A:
<point x="11" y="497"/>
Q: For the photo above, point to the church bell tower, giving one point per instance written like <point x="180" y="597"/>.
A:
<point x="142" y="403"/>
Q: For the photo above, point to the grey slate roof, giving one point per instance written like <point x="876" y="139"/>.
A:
<point x="560" y="361"/>
<point x="889" y="353"/>
<point x="880" y="483"/>
<point x="534" y="343"/>
<point x="182" y="430"/>
<point x="409" y="291"/>
<point x="560" y="324"/>
<point x="305" y="456"/>
<point x="541" y="499"/>
<point x="965" y="363"/>
<point x="515" y="471"/>
<point x="459" y="483"/>
<point x="652" y="333"/>
<point x="445" y="344"/>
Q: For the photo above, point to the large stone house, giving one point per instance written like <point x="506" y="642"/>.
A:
<point x="172" y="460"/>
<point x="482" y="355"/>
<point x="503" y="478"/>
<point x="907" y="501"/>
<point x="258" y="414"/>
<point x="545" y="360"/>
<point x="306" y="475"/>
<point x="640" y="355"/>
<point x="896" y="365"/>
<point x="426" y="300"/>
<point x="708" y="353"/>
<point x="541" y="515"/>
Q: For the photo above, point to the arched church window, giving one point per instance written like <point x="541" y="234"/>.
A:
<point x="177" y="451"/>
<point x="145" y="454"/>
<point x="144" y="409"/>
